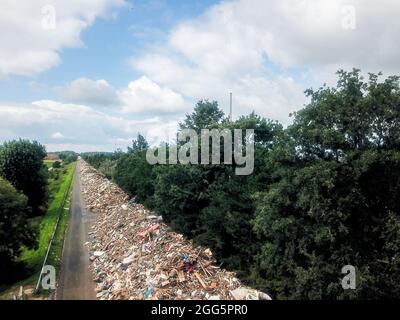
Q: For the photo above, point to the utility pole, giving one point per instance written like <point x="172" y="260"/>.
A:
<point x="230" y="106"/>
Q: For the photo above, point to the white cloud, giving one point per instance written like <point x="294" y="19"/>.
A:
<point x="144" y="95"/>
<point x="268" y="52"/>
<point x="78" y="127"/>
<point x="141" y="96"/>
<point x="265" y="52"/>
<point x="57" y="135"/>
<point x="29" y="46"/>
<point x="87" y="91"/>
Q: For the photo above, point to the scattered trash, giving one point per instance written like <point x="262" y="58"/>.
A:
<point x="128" y="260"/>
<point x="134" y="255"/>
<point x="249" y="294"/>
<point x="148" y="292"/>
<point x="98" y="253"/>
<point x="186" y="257"/>
<point x="150" y="230"/>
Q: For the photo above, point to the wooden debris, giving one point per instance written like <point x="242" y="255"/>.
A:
<point x="134" y="255"/>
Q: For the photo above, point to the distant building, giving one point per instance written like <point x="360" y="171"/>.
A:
<point x="52" y="156"/>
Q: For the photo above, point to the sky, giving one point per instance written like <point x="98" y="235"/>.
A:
<point x="89" y="75"/>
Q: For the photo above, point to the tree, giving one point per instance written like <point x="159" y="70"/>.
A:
<point x="134" y="174"/>
<point x="205" y="115"/>
<point x="68" y="156"/>
<point x="323" y="194"/>
<point x="21" y="163"/>
<point x="107" y="167"/>
<point x="181" y="194"/>
<point x="15" y="231"/>
<point x="209" y="203"/>
<point x="334" y="200"/>
<point x="138" y="145"/>
<point x="56" y="164"/>
<point x="95" y="159"/>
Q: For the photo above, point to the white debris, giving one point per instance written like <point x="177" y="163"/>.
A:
<point x="244" y="293"/>
<point x="98" y="253"/>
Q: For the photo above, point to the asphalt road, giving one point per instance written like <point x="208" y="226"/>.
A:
<point x="75" y="281"/>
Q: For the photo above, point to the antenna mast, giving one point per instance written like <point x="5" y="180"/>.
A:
<point x="230" y="106"/>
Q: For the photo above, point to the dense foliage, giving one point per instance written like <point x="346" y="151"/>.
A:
<point x="21" y="163"/>
<point x="68" y="156"/>
<point x="56" y="164"/>
<point x="14" y="229"/>
<point x="135" y="175"/>
<point x="324" y="193"/>
<point x="335" y="201"/>
<point x="205" y="115"/>
<point x="103" y="161"/>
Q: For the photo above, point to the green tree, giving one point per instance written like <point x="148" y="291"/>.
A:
<point x="138" y="145"/>
<point x="107" y="167"/>
<point x="205" y="115"/>
<point x="134" y="174"/>
<point x="21" y="163"/>
<point x="68" y="156"/>
<point x="96" y="159"/>
<point x="212" y="205"/>
<point x="14" y="229"/>
<point x="334" y="198"/>
<point x="56" y="164"/>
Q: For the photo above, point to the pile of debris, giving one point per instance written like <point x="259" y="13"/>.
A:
<point x="134" y="255"/>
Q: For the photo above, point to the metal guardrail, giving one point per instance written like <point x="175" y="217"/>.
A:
<point x="55" y="230"/>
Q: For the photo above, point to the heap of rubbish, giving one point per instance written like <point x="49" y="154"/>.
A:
<point x="134" y="255"/>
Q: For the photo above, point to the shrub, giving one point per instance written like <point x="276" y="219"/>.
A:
<point x="135" y="175"/>
<point x="56" y="164"/>
<point x="68" y="156"/>
<point x="14" y="229"/>
<point x="21" y="163"/>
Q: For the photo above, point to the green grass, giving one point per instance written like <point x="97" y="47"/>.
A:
<point x="48" y="163"/>
<point x="60" y="185"/>
<point x="55" y="253"/>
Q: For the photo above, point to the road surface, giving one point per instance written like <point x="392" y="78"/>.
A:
<point x="75" y="282"/>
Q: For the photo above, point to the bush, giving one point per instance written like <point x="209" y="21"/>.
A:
<point x="68" y="156"/>
<point x="21" y="163"/>
<point x="14" y="229"/>
<point x="135" y="175"/>
<point x="95" y="159"/>
<point x="56" y="164"/>
<point x="107" y="167"/>
<point x="211" y="205"/>
<point x="180" y="195"/>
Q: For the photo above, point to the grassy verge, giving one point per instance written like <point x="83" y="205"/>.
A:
<point x="55" y="253"/>
<point x="60" y="184"/>
<point x="49" y="163"/>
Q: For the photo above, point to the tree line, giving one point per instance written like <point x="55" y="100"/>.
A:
<point x="324" y="193"/>
<point x="23" y="196"/>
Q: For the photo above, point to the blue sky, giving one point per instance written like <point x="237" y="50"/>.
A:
<point x="89" y="75"/>
<point x="108" y="44"/>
